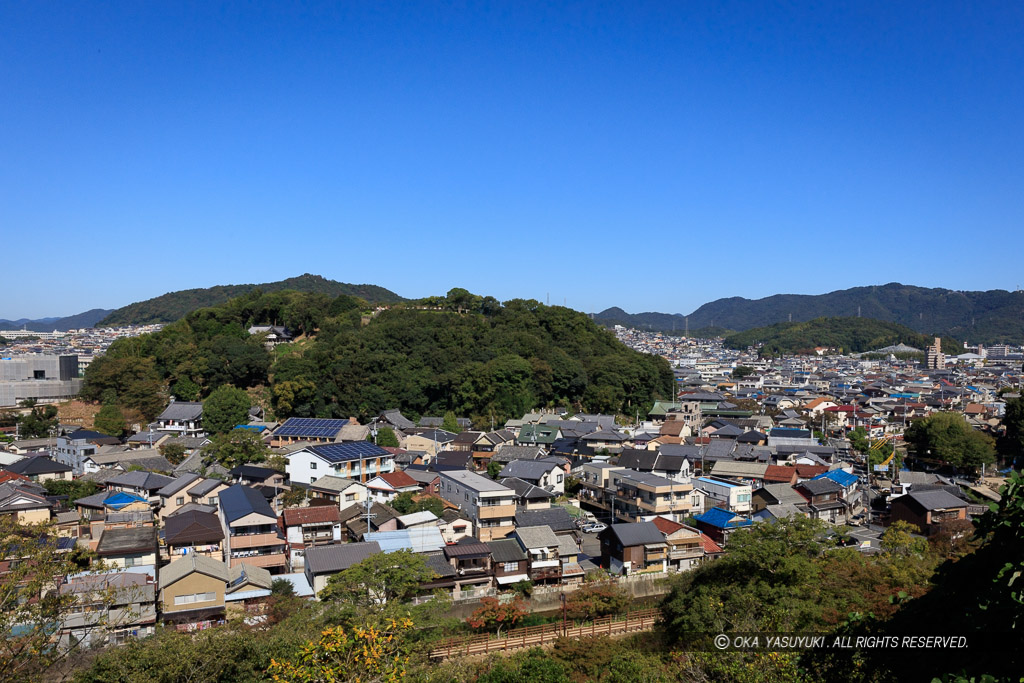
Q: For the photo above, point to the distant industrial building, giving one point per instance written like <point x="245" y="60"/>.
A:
<point x="45" y="378"/>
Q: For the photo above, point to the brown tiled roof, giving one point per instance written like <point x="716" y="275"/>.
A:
<point x="311" y="515"/>
<point x="666" y="526"/>
<point x="779" y="473"/>
<point x="399" y="479"/>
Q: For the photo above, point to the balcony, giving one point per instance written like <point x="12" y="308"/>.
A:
<point x="496" y="511"/>
<point x="269" y="560"/>
<point x="692" y="553"/>
<point x="245" y="541"/>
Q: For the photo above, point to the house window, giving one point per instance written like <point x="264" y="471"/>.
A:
<point x="466" y="496"/>
<point x="180" y="500"/>
<point x="212" y="500"/>
<point x="131" y="561"/>
<point x="510" y="566"/>
<point x="350" y="497"/>
<point x="312" y="465"/>
<point x="194" y="597"/>
<point x="559" y="478"/>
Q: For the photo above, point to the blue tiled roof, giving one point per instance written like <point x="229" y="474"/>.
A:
<point x="723" y="519"/>
<point x="841" y="477"/>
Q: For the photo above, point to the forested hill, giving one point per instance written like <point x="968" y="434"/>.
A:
<point x="175" y="305"/>
<point x="986" y="317"/>
<point x="850" y="335"/>
<point x="71" y="322"/>
<point x="464" y="353"/>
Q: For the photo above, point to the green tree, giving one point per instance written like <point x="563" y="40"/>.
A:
<point x="72" y="488"/>
<point x="386" y="438"/>
<point x="31" y="601"/>
<point x="741" y="371"/>
<point x="379" y="580"/>
<point x="494" y="469"/>
<point x="1012" y="444"/>
<point x="859" y="440"/>
<point x="948" y="438"/>
<point x="110" y="420"/>
<point x="174" y="452"/>
<point x="186" y="390"/>
<point x="237" y="447"/>
<point x="294" y="497"/>
<point x="340" y="655"/>
<point x="282" y="588"/>
<point x="38" y="422"/>
<point x="225" y="408"/>
<point x="133" y="380"/>
<point x="451" y="423"/>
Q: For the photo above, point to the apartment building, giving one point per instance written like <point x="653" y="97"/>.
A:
<point x="488" y="504"/>
<point x="250" y="528"/>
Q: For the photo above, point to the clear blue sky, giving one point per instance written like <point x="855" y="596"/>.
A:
<point x="653" y="156"/>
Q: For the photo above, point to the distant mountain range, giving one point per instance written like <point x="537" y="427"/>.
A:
<point x="71" y="322"/>
<point x="176" y="305"/>
<point x="978" y="317"/>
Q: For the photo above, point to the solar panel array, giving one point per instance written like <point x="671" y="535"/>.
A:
<point x="350" y="450"/>
<point x="310" y="427"/>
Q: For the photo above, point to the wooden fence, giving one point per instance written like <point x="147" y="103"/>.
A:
<point x="533" y="636"/>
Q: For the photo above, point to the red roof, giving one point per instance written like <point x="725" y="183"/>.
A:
<point x="399" y="480"/>
<point x="779" y="473"/>
<point x="319" y="514"/>
<point x="666" y="526"/>
<point x="808" y="471"/>
<point x="709" y="545"/>
<point x="8" y="476"/>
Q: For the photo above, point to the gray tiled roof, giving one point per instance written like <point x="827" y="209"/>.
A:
<point x="506" y="550"/>
<point x="182" y="411"/>
<point x="536" y="537"/>
<point x="555" y="518"/>
<point x="637" y="533"/>
<point x="329" y="559"/>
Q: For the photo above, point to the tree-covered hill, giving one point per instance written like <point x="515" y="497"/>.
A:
<point x="851" y="335"/>
<point x="463" y="353"/>
<point x="175" y="305"/>
<point x="977" y="316"/>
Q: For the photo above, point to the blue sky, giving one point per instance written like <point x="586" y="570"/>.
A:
<point x="652" y="156"/>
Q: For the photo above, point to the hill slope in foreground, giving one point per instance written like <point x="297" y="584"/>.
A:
<point x="176" y="305"/>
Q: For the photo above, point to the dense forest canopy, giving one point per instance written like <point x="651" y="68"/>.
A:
<point x="464" y="353"/>
<point x="176" y="305"/>
<point x="850" y="335"/>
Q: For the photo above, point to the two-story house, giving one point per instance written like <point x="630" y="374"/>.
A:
<point x="251" y="534"/>
<point x="633" y="548"/>
<point x="824" y="500"/>
<point x="73" y="448"/>
<point x="634" y="495"/>
<point x="544" y="474"/>
<point x="308" y="527"/>
<point x="192" y="532"/>
<point x="357" y="460"/>
<point x="928" y="510"/>
<point x="182" y="418"/>
<point x="339" y="490"/>
<point x="727" y="494"/>
<point x="541" y="547"/>
<point x="510" y="562"/>
<point x="108" y="609"/>
<point x="471" y="560"/>
<point x="192" y="592"/>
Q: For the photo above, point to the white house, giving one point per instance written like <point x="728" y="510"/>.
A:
<point x="356" y="460"/>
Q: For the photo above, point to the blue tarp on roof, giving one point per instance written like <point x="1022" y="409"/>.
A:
<point x="255" y="428"/>
<point x="841" y="477"/>
<point x="122" y="500"/>
<point x="723" y="519"/>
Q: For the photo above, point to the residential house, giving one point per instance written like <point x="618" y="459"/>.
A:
<point x="471" y="560"/>
<point x="308" y="527"/>
<point x="556" y="518"/>
<point x="188" y="488"/>
<point x="117" y="457"/>
<point x="928" y="510"/>
<point x="74" y="447"/>
<point x="324" y="561"/>
<point x="384" y="488"/>
<point x="490" y="505"/>
<point x="542" y="473"/>
<point x="307" y="429"/>
<point x="541" y="546"/>
<point x="685" y="545"/>
<point x="777" y="494"/>
<point x="489" y="443"/>
<point x="824" y="500"/>
<point x="357" y="460"/>
<point x="339" y="490"/>
<point x="634" y="548"/>
<point x="674" y="467"/>
<point x="510" y="562"/>
<point x="25" y="501"/>
<point x="383" y="517"/>
<point x="429" y="481"/>
<point x="430" y="442"/>
<point x="113" y="509"/>
<point x="141" y="483"/>
<point x="108" y="609"/>
<point x="779" y="474"/>
<point x="192" y="592"/>
<point x="182" y="418"/>
<point x="527" y="495"/>
<point x="274" y="334"/>
<point x="727" y="494"/>
<point x="454" y="526"/>
<point x="250" y="528"/>
<point x="719" y="524"/>
<point x="192" y="532"/>
<point x="751" y="473"/>
<point x="128" y="547"/>
<point x="40" y="468"/>
<point x="632" y="495"/>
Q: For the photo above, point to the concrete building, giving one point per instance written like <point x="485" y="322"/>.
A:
<point x="45" y="378"/>
<point x="490" y="505"/>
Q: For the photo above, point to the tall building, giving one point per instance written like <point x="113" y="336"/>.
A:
<point x="39" y="376"/>
<point x="934" y="358"/>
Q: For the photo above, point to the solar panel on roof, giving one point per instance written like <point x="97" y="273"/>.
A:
<point x="310" y="426"/>
<point x="352" y="450"/>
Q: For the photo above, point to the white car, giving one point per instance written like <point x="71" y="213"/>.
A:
<point x="594" y="527"/>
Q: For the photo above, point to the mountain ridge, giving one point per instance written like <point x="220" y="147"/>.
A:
<point x="173" y="306"/>
<point x="990" y="316"/>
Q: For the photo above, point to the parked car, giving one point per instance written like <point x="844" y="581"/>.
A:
<point x="594" y="527"/>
